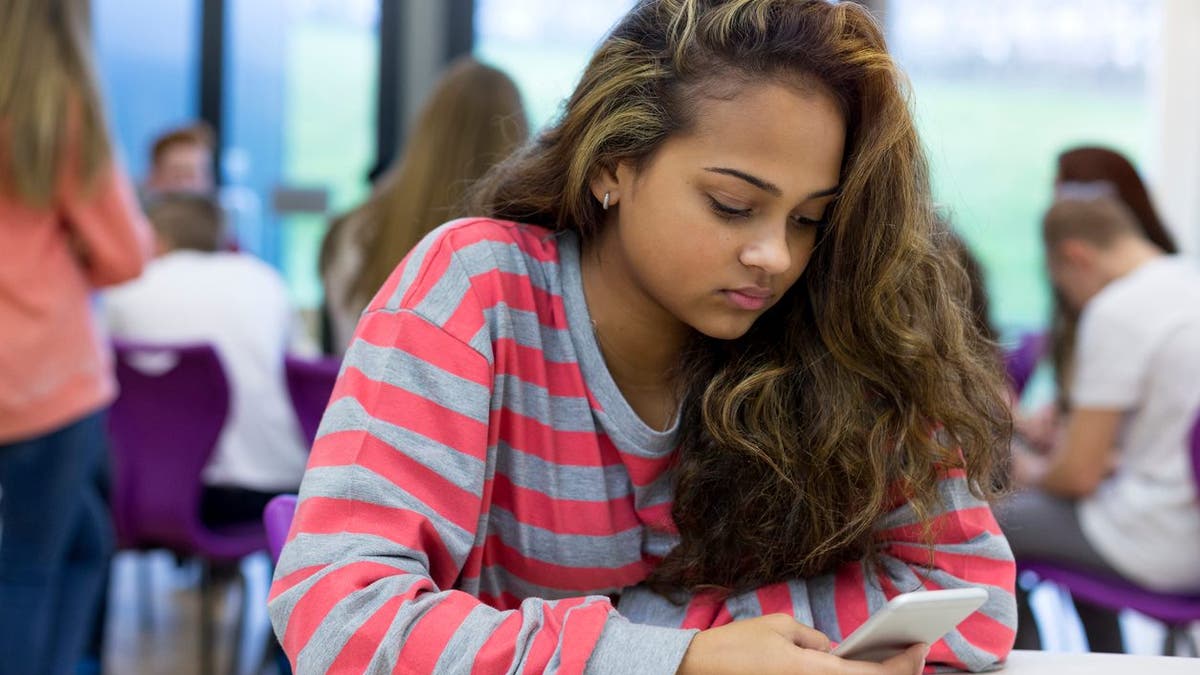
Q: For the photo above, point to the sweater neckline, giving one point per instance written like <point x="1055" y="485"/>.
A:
<point x="643" y="439"/>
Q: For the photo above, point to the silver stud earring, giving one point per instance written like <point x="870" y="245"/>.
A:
<point x="606" y="196"/>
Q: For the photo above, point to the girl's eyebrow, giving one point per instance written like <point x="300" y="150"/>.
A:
<point x="768" y="186"/>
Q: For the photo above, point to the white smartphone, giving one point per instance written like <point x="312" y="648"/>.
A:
<point x="923" y="616"/>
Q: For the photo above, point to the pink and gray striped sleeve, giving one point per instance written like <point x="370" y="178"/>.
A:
<point x="392" y="506"/>
<point x="968" y="550"/>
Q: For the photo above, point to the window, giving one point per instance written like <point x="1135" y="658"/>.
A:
<point x="301" y="79"/>
<point x="149" y="77"/>
<point x="543" y="45"/>
<point x="1003" y="86"/>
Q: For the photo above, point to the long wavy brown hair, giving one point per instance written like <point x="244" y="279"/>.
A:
<point x="48" y="98"/>
<point x="869" y="379"/>
<point x="473" y="119"/>
<point x="1090" y="164"/>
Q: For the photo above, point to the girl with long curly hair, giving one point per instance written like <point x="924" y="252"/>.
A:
<point x="693" y="390"/>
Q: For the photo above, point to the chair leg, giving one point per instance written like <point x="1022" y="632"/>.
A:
<point x="274" y="660"/>
<point x="144" y="571"/>
<point x="273" y="656"/>
<point x="1171" y="640"/>
<point x="206" y="628"/>
<point x="240" y="626"/>
<point x="1184" y="639"/>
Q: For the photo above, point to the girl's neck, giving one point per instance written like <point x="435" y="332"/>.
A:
<point x="639" y="339"/>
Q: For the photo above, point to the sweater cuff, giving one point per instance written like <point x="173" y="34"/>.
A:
<point x="626" y="647"/>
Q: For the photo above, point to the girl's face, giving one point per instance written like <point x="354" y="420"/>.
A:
<point x="720" y="222"/>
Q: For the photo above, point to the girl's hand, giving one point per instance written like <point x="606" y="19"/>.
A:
<point x="777" y="643"/>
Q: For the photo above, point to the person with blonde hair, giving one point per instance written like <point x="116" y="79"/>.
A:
<point x="694" y="391"/>
<point x="70" y="223"/>
<point x="473" y="119"/>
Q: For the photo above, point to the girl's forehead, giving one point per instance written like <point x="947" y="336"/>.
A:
<point x="795" y="140"/>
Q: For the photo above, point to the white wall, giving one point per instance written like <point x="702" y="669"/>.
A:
<point x="1174" y="172"/>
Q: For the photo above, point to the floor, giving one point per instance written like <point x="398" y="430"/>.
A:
<point x="157" y="633"/>
<point x="153" y="619"/>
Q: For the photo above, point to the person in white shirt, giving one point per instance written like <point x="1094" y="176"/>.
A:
<point x="194" y="293"/>
<point x="1116" y="494"/>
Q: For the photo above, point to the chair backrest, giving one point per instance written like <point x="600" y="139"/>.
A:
<point x="277" y="518"/>
<point x="310" y="384"/>
<point x="1196" y="451"/>
<point x="164" y="427"/>
<point x="1022" y="360"/>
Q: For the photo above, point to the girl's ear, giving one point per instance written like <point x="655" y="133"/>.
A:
<point x="605" y="187"/>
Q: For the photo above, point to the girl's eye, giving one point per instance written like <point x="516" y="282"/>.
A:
<point x="818" y="223"/>
<point x="809" y="222"/>
<point x="727" y="211"/>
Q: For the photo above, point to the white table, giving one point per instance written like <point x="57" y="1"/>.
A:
<point x="1049" y="663"/>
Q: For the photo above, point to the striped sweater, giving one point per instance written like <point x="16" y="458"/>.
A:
<point x="480" y="490"/>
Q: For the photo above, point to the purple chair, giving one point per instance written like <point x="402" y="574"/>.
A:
<point x="277" y="518"/>
<point x="310" y="384"/>
<point x="1176" y="611"/>
<point x="164" y="428"/>
<point x="1022" y="360"/>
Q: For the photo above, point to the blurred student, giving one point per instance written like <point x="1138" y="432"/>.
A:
<point x="1084" y="165"/>
<point x="69" y="223"/>
<point x="181" y="160"/>
<point x="195" y="293"/>
<point x="1089" y="164"/>
<point x="1116" y="493"/>
<point x="473" y="119"/>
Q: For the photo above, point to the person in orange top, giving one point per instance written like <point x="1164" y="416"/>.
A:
<point x="69" y="223"/>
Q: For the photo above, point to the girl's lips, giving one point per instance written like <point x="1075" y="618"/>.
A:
<point x="748" y="299"/>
